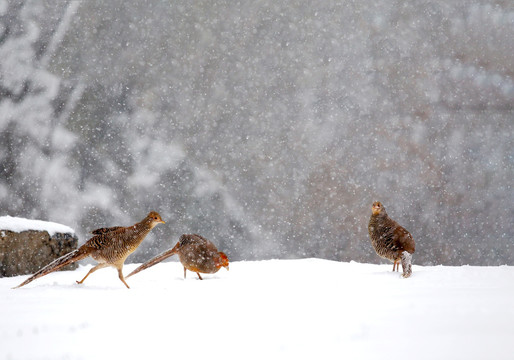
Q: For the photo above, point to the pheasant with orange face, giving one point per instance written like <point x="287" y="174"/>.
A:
<point x="196" y="254"/>
<point x="390" y="240"/>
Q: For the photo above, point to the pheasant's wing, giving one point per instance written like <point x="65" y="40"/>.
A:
<point x="388" y="237"/>
<point x="400" y="238"/>
<point x="106" y="230"/>
<point x="191" y="239"/>
<point x="198" y="240"/>
<point x="405" y="240"/>
<point x="99" y="242"/>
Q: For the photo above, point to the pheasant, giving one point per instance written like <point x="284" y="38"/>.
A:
<point x="109" y="247"/>
<point x="196" y="254"/>
<point x="390" y="240"/>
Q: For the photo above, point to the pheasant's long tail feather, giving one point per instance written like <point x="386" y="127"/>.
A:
<point x="154" y="261"/>
<point x="67" y="259"/>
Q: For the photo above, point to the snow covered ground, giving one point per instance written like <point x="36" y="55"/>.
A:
<point x="285" y="309"/>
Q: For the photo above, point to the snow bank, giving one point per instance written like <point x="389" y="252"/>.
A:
<point x="16" y="224"/>
<point x="278" y="309"/>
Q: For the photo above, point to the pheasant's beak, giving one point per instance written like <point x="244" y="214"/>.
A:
<point x="162" y="222"/>
<point x="226" y="267"/>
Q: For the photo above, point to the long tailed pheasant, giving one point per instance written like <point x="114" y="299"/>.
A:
<point x="109" y="247"/>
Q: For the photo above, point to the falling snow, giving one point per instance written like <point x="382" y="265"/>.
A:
<point x="269" y="127"/>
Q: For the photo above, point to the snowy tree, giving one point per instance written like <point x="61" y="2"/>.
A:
<point x="36" y="180"/>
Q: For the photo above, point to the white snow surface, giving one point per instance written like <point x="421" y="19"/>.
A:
<point x="17" y="224"/>
<point x="274" y="309"/>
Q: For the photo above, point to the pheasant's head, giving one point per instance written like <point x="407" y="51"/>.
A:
<point x="377" y="208"/>
<point x="154" y="218"/>
<point x="222" y="261"/>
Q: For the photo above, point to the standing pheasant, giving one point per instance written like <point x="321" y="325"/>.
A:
<point x="109" y="247"/>
<point x="196" y="254"/>
<point x="390" y="240"/>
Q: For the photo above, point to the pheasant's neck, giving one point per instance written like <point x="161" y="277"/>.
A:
<point x="376" y="224"/>
<point x="138" y="233"/>
<point x="379" y="217"/>
<point x="373" y="220"/>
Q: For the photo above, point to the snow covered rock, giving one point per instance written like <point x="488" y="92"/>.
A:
<point x="27" y="245"/>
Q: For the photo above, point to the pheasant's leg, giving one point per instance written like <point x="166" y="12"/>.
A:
<point x="199" y="276"/>
<point x="406" y="264"/>
<point x="394" y="265"/>
<point x="99" y="266"/>
<point x="184" y="272"/>
<point x="122" y="278"/>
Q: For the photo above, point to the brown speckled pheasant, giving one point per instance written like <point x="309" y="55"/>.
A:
<point x="390" y="240"/>
<point x="196" y="254"/>
<point x="109" y="247"/>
